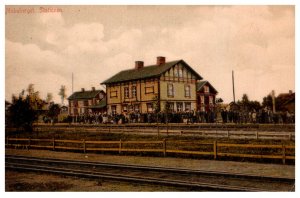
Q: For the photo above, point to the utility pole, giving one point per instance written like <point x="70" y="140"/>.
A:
<point x="273" y="101"/>
<point x="233" y="86"/>
<point x="72" y="83"/>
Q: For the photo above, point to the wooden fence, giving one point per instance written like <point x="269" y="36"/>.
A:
<point x="207" y="133"/>
<point x="160" y="146"/>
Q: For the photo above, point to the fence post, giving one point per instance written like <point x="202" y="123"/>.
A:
<point x="164" y="147"/>
<point x="120" y="146"/>
<point x="283" y="154"/>
<point x="84" y="146"/>
<point x="215" y="150"/>
<point x="53" y="144"/>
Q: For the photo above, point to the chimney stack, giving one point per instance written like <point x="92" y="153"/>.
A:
<point x="160" y="60"/>
<point x="93" y="89"/>
<point x="139" y="64"/>
<point x="82" y="89"/>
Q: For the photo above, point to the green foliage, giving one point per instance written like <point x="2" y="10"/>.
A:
<point x="22" y="115"/>
<point x="54" y="111"/>
<point x="62" y="93"/>
<point x="247" y="104"/>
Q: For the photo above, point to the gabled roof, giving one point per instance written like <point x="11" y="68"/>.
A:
<point x="200" y="85"/>
<point x="146" y="72"/>
<point x="84" y="94"/>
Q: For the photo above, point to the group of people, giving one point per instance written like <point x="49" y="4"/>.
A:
<point x="224" y="116"/>
<point x="261" y="116"/>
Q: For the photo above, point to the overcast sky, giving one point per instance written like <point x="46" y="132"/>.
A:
<point x="96" y="42"/>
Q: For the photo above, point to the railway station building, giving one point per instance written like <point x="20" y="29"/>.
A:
<point x="140" y="88"/>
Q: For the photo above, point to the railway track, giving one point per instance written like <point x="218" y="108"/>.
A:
<point x="199" y="180"/>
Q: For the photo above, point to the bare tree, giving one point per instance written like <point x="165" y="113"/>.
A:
<point x="62" y="93"/>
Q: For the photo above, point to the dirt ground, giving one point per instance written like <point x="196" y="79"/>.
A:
<point x="42" y="182"/>
<point x="20" y="181"/>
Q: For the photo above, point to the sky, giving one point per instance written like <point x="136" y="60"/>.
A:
<point x="96" y="42"/>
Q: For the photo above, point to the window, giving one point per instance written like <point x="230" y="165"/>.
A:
<point x="86" y="103"/>
<point x="202" y="108"/>
<point x="126" y="92"/>
<point x="211" y="99"/>
<point x="175" y="71"/>
<point x="149" y="90"/>
<point x="206" y="89"/>
<point x="180" y="73"/>
<point x="136" y="107"/>
<point x="187" y="106"/>
<point x="125" y="108"/>
<point x="202" y="99"/>
<point x="130" y="108"/>
<point x="170" y="90"/>
<point x="80" y="103"/>
<point x="113" y="109"/>
<point x="149" y="107"/>
<point x="113" y="94"/>
<point x="179" y="106"/>
<point x="90" y="102"/>
<point x="171" y="106"/>
<point x="133" y="91"/>
<point x="187" y="91"/>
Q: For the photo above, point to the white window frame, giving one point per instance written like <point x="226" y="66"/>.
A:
<point x="188" y="104"/>
<point x="170" y="90"/>
<point x="187" y="91"/>
<point x="126" y="92"/>
<point x="179" y="106"/>
<point x="133" y="91"/>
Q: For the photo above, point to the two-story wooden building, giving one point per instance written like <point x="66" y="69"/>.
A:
<point x="206" y="96"/>
<point x="137" y="89"/>
<point x="84" y="102"/>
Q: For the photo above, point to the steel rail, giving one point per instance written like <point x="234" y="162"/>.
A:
<point x="155" y="168"/>
<point x="151" y="180"/>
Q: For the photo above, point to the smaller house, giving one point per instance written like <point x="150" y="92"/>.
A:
<point x="85" y="102"/>
<point x="286" y="101"/>
<point x="206" y="96"/>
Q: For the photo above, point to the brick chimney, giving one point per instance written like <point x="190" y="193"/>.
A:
<point x="139" y="64"/>
<point x="160" y="60"/>
<point x="93" y="89"/>
<point x="82" y="89"/>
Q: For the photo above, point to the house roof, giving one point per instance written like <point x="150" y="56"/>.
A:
<point x="84" y="94"/>
<point x="101" y="104"/>
<point x="146" y="72"/>
<point x="200" y="85"/>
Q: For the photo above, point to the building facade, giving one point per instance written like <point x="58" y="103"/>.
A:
<point x="148" y="88"/>
<point x="84" y="102"/>
<point x="206" y="96"/>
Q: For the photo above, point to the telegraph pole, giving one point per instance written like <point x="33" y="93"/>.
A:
<point x="72" y="82"/>
<point x="273" y="100"/>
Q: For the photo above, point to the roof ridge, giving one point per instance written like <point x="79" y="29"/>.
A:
<point x="151" y="65"/>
